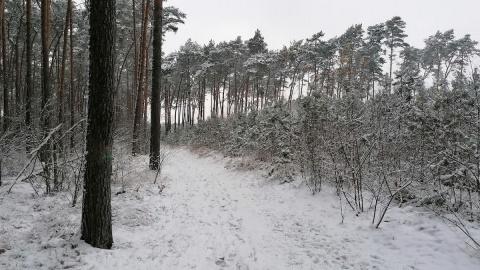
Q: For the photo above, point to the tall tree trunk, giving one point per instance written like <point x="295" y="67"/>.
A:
<point x="72" y="78"/>
<point x="200" y="101"/>
<point x="16" y="109"/>
<point x="29" y="78"/>
<point x="177" y="106"/>
<point x="6" y="110"/>
<point x="4" y="66"/>
<point x="235" y="97"/>
<point x="257" y="85"/>
<point x="391" y="68"/>
<point x="145" y="88"/>
<point x="139" y="108"/>
<point x="166" y="97"/>
<point x="156" y="86"/>
<point x="229" y="97"/>
<point x="265" y="93"/>
<point x="223" y="95"/>
<point x="184" y="108"/>
<point x="135" y="59"/>
<point x="246" y="93"/>
<point x="97" y="212"/>
<point x="119" y="112"/>
<point x="61" y="88"/>
<point x="46" y="107"/>
<point x="213" y="95"/>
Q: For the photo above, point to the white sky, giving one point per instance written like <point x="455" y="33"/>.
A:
<point x="282" y="21"/>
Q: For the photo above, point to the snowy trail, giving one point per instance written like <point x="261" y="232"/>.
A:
<point x="210" y="217"/>
<point x="232" y="215"/>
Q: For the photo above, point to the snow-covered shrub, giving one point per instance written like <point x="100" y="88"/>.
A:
<point x="312" y="133"/>
<point x="241" y="131"/>
<point x="211" y="132"/>
<point x="272" y="136"/>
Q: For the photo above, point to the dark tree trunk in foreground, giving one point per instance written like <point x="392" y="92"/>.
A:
<point x="97" y="212"/>
<point x="4" y="74"/>
<point x="156" y="87"/>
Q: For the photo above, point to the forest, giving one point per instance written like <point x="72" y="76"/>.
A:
<point x="364" y="113"/>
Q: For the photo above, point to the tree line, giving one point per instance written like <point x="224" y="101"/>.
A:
<point x="380" y="120"/>
<point x="240" y="76"/>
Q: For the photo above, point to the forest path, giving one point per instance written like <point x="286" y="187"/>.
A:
<point x="213" y="217"/>
<point x="210" y="216"/>
<point x="224" y="218"/>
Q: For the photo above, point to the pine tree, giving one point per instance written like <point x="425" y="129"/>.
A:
<point x="373" y="53"/>
<point x="395" y="38"/>
<point x="3" y="23"/>
<point x="466" y="51"/>
<point x="29" y="77"/>
<point x="408" y="76"/>
<point x="46" y="93"/>
<point x="142" y="77"/>
<point x="257" y="44"/>
<point x="439" y="56"/>
<point x="349" y="45"/>
<point x="97" y="213"/>
<point x="156" y="87"/>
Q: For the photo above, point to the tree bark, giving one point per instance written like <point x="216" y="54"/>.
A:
<point x="61" y="88"/>
<point x="135" y="59"/>
<point x="156" y="86"/>
<point x="72" y="78"/>
<point x="4" y="66"/>
<point x="97" y="213"/>
<point x="29" y="78"/>
<point x="46" y="108"/>
<point x="139" y="108"/>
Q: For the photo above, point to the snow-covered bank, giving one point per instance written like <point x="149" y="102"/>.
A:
<point x="209" y="217"/>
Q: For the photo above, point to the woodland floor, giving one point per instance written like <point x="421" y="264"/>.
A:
<point x="210" y="215"/>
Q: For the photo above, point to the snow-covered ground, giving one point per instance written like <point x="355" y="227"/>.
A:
<point x="212" y="217"/>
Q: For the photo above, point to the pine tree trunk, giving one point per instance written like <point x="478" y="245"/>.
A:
<point x="72" y="79"/>
<point x="139" y="108"/>
<point x="177" y="106"/>
<point x="235" y="96"/>
<point x="97" y="213"/>
<point x="29" y="78"/>
<point x="145" y="89"/>
<point x="16" y="109"/>
<point x="156" y="86"/>
<point x="391" y="67"/>
<point x="46" y="109"/>
<point x="61" y="88"/>
<point x="4" y="66"/>
<point x="246" y="93"/>
<point x="222" y="104"/>
<point x="135" y="59"/>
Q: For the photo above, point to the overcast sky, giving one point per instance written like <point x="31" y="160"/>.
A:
<point x="282" y="21"/>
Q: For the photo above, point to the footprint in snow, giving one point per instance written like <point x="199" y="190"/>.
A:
<point x="221" y="262"/>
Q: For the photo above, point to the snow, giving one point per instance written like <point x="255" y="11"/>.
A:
<point x="211" y="216"/>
